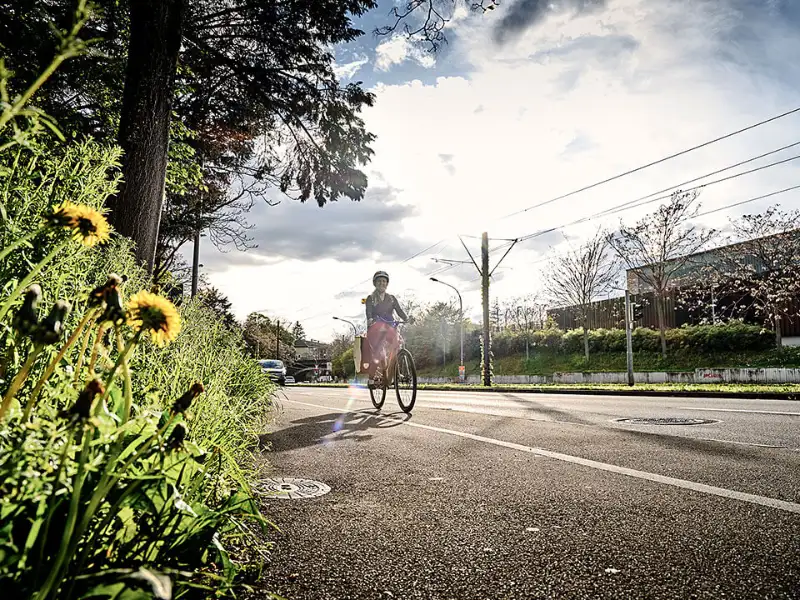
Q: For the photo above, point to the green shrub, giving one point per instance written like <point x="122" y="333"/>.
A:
<point x="550" y="338"/>
<point x="104" y="489"/>
<point x="733" y="336"/>
<point x="344" y="365"/>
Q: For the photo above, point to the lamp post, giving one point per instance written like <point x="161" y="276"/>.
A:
<point x="355" y="330"/>
<point x="461" y="373"/>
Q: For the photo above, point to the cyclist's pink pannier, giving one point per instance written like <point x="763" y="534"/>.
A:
<point x="361" y="354"/>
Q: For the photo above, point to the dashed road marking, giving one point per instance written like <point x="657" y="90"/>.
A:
<point x="742" y="410"/>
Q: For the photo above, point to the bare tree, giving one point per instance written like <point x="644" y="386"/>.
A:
<point x="525" y="313"/>
<point x="659" y="247"/>
<point x="579" y="276"/>
<point x="762" y="267"/>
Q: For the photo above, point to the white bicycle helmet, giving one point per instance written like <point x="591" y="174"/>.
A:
<point x="380" y="274"/>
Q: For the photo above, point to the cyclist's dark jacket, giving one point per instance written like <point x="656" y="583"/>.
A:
<point x="385" y="309"/>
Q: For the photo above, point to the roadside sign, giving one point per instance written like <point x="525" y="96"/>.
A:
<point x="461" y="373"/>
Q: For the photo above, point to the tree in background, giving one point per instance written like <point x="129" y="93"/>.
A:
<point x="762" y="267"/>
<point x="434" y="334"/>
<point x="298" y="333"/>
<point x="659" y="247"/>
<point x="252" y="85"/>
<point x="427" y="20"/>
<point x="525" y="313"/>
<point x="264" y="336"/>
<point x="215" y="300"/>
<point x="579" y="276"/>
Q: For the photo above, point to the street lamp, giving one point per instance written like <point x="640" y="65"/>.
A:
<point x="461" y="318"/>
<point x="355" y="330"/>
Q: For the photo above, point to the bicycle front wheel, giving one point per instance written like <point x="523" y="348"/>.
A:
<point x="405" y="380"/>
<point x="378" y="396"/>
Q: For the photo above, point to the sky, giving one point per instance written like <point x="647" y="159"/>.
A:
<point x="526" y="103"/>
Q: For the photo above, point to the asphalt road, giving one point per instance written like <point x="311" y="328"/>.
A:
<point x="499" y="496"/>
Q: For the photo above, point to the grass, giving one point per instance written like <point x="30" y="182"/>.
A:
<point x="547" y="363"/>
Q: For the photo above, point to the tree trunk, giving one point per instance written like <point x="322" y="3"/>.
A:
<point x="586" y="343"/>
<point x="661" y="326"/>
<point x="778" y="340"/>
<point x="144" y="123"/>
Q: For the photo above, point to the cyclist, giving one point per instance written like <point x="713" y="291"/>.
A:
<point x="380" y="308"/>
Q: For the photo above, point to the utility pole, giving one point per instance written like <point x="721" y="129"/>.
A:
<point x="629" y="335"/>
<point x="486" y="274"/>
<point x="487" y="334"/>
<point x="196" y="262"/>
<point x="278" y="340"/>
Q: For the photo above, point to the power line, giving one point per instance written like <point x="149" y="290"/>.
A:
<point x="648" y="200"/>
<point x="613" y="178"/>
<point x="718" y="171"/>
<point x="656" y="162"/>
<point x="702" y="214"/>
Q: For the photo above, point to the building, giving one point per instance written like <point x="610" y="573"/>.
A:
<point x="312" y="362"/>
<point x="694" y="275"/>
<point x="308" y="349"/>
<point x="696" y="266"/>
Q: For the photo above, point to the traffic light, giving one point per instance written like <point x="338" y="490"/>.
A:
<point x="637" y="310"/>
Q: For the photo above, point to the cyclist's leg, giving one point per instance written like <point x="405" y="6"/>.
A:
<point x="375" y="339"/>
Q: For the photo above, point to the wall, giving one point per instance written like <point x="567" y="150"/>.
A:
<point x="698" y="376"/>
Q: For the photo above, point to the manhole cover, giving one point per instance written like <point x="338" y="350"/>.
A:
<point x="665" y="421"/>
<point x="290" y="488"/>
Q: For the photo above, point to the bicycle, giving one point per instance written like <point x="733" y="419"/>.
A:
<point x="404" y="377"/>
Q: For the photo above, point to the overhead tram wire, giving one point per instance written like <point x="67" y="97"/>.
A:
<point x="702" y="214"/>
<point x="648" y="199"/>
<point x="654" y="163"/>
<point x="614" y="178"/>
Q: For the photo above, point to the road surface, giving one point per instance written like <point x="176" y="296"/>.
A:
<point x="504" y="496"/>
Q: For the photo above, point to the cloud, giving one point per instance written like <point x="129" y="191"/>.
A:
<point x="348" y="70"/>
<point x="344" y="231"/>
<point x="523" y="14"/>
<point x="567" y="100"/>
<point x="399" y="49"/>
<point x="447" y="162"/>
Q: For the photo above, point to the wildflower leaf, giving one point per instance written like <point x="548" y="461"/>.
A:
<point x="116" y="401"/>
<point x="227" y="565"/>
<point x="129" y="527"/>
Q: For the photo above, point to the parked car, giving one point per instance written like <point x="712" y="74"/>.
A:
<point x="289" y="379"/>
<point x="275" y="369"/>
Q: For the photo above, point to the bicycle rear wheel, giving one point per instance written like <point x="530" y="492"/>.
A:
<point x="405" y="380"/>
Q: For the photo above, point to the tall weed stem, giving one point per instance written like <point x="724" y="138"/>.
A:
<point x="19" y="379"/>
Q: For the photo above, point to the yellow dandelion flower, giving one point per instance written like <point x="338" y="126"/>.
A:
<point x="154" y="313"/>
<point x="88" y="225"/>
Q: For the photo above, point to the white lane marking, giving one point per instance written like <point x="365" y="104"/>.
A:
<point x="747" y="444"/>
<point x="592" y="464"/>
<point x="742" y="410"/>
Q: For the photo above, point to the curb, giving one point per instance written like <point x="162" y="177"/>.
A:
<point x="795" y="396"/>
